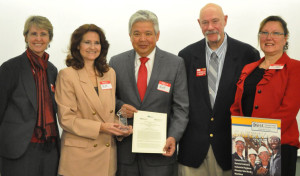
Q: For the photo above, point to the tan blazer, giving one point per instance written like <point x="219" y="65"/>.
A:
<point x="85" y="151"/>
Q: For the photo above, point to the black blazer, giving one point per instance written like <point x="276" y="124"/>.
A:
<point x="18" y="105"/>
<point x="203" y="120"/>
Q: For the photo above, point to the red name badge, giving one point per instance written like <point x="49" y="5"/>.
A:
<point x="164" y="86"/>
<point x="105" y="85"/>
<point x="200" y="72"/>
<point x="276" y="66"/>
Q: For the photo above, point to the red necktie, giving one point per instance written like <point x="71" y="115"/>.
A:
<point x="142" y="78"/>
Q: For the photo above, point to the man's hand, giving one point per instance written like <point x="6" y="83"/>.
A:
<point x="128" y="110"/>
<point x="170" y="146"/>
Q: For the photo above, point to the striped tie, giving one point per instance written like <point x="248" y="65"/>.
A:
<point x="212" y="77"/>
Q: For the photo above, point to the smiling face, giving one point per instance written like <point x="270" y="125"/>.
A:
<point x="264" y="156"/>
<point x="143" y="37"/>
<point x="274" y="143"/>
<point x="37" y="40"/>
<point x="252" y="158"/>
<point x="90" y="46"/>
<point x="240" y="146"/>
<point x="272" y="45"/>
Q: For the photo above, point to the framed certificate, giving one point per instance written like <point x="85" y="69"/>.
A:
<point x="149" y="132"/>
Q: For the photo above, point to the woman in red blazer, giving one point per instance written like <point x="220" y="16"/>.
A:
<point x="270" y="88"/>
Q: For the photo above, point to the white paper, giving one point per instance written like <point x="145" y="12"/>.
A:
<point x="149" y="132"/>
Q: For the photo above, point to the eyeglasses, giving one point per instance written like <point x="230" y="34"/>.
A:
<point x="272" y="34"/>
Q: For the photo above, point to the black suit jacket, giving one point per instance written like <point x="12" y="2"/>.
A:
<point x="209" y="126"/>
<point x="18" y="105"/>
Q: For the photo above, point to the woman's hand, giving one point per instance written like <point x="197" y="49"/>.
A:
<point x="127" y="130"/>
<point x="116" y="129"/>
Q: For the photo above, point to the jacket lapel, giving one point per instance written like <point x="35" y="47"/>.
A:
<point x="158" y="61"/>
<point x="230" y="70"/>
<point x="91" y="94"/>
<point x="130" y="65"/>
<point x="28" y="81"/>
<point x="198" y="62"/>
<point x="270" y="72"/>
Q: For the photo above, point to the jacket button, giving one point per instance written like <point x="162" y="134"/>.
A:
<point x="259" y="91"/>
<point x="107" y="145"/>
<point x="212" y="119"/>
<point x="95" y="145"/>
<point x="94" y="113"/>
<point x="211" y="135"/>
<point x="256" y="107"/>
<point x="111" y="111"/>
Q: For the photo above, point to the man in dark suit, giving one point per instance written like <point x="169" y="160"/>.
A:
<point x="29" y="137"/>
<point x="213" y="67"/>
<point x="164" y="91"/>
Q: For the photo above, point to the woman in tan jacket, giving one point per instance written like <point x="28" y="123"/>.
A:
<point x="85" y="95"/>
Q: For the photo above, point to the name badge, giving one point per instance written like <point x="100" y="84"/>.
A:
<point x="276" y="66"/>
<point x="201" y="72"/>
<point x="105" y="85"/>
<point x="164" y="86"/>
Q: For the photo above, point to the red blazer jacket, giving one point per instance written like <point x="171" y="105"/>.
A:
<point x="277" y="96"/>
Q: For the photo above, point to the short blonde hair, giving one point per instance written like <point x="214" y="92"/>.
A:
<point x="41" y="22"/>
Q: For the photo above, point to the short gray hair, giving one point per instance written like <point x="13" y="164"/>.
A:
<point x="144" y="15"/>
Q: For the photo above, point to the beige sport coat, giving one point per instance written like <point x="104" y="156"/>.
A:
<point x="85" y="151"/>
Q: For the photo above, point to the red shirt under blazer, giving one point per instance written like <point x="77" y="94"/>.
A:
<point x="277" y="96"/>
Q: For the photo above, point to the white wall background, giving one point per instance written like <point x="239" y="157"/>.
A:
<point x="177" y="18"/>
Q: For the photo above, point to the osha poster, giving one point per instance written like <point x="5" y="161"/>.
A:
<point x="256" y="146"/>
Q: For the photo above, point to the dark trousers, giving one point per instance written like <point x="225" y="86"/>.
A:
<point x="288" y="160"/>
<point x="140" y="167"/>
<point x="34" y="162"/>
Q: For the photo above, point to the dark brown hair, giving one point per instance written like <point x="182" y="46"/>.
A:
<point x="74" y="58"/>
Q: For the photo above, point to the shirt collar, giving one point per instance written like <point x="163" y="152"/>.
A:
<point x="219" y="50"/>
<point x="150" y="56"/>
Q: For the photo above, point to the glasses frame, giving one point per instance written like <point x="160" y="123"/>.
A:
<point x="264" y="34"/>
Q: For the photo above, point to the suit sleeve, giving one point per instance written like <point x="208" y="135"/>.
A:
<point x="7" y="78"/>
<point x="69" y="115"/>
<point x="180" y="104"/>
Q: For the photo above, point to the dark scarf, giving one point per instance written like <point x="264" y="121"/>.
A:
<point x="45" y="128"/>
